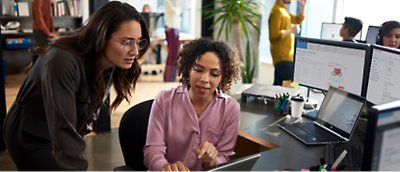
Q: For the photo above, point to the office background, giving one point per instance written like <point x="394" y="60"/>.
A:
<point x="317" y="11"/>
<point x="372" y="13"/>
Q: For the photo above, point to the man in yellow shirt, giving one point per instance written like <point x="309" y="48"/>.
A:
<point x="282" y="27"/>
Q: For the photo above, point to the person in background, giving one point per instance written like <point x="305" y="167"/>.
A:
<point x="350" y="28"/>
<point x="195" y="125"/>
<point x="146" y="8"/>
<point x="172" y="16"/>
<point x="60" y="98"/>
<point x="43" y="27"/>
<point x="282" y="27"/>
<point x="389" y="34"/>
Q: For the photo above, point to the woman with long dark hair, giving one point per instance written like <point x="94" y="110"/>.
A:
<point x="389" y="34"/>
<point x="67" y="84"/>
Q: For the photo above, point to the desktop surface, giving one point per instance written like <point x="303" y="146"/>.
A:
<point x="289" y="147"/>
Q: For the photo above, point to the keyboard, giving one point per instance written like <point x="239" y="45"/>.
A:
<point x="353" y="159"/>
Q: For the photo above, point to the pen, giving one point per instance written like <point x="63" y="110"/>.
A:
<point x="339" y="159"/>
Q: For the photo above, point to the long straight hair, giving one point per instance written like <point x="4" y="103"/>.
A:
<point x="90" y="41"/>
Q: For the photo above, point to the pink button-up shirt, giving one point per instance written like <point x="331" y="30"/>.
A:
<point x="175" y="131"/>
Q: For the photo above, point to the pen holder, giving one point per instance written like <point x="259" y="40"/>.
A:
<point x="281" y="106"/>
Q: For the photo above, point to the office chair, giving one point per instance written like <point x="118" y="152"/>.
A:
<point x="132" y="136"/>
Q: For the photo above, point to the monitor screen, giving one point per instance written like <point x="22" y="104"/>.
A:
<point x="381" y="149"/>
<point x="372" y="34"/>
<point x="331" y="31"/>
<point x="384" y="81"/>
<point x="323" y="63"/>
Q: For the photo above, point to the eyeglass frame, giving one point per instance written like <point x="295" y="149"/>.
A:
<point x="130" y="42"/>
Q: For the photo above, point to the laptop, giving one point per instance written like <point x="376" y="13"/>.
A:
<point x="335" y="121"/>
<point x="240" y="164"/>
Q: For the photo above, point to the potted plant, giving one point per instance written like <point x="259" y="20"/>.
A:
<point x="237" y="17"/>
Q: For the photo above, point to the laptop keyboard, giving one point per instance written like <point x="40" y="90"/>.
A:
<point x="318" y="132"/>
<point x="353" y="159"/>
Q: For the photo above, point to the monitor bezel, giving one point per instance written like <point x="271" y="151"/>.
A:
<point x="369" y="144"/>
<point x="345" y="44"/>
<point x="357" y="37"/>
<point x="369" y="31"/>
<point x="382" y="48"/>
<point x="340" y="131"/>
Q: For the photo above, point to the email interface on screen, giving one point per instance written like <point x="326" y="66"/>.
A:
<point x="384" y="79"/>
<point x="320" y="65"/>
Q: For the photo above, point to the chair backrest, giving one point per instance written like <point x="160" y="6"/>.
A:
<point x="132" y="134"/>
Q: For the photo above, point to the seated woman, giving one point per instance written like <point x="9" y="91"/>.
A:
<point x="389" y="34"/>
<point x="195" y="125"/>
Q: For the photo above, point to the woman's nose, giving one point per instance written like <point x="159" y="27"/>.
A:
<point x="204" y="77"/>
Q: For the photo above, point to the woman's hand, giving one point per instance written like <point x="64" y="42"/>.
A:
<point x="208" y="153"/>
<point x="177" y="166"/>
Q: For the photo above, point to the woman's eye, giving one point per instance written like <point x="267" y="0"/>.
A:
<point x="197" y="69"/>
<point x="215" y="74"/>
<point x="127" y="42"/>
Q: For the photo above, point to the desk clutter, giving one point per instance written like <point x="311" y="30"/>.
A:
<point x="281" y="103"/>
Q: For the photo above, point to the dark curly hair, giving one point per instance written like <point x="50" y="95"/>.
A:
<point x="385" y="29"/>
<point x="195" y="49"/>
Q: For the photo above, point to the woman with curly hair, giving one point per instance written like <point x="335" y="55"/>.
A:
<point x="45" y="127"/>
<point x="210" y="117"/>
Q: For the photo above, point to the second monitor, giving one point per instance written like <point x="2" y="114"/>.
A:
<point x="384" y="81"/>
<point x="323" y="63"/>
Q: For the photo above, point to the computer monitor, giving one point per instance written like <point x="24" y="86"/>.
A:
<point x="381" y="148"/>
<point x="372" y="34"/>
<point x="384" y="81"/>
<point x="323" y="63"/>
<point x="331" y="31"/>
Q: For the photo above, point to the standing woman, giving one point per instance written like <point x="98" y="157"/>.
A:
<point x="45" y="126"/>
<point x="389" y="34"/>
<point x="195" y="125"/>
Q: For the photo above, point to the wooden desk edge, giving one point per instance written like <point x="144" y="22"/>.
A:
<point x="257" y="140"/>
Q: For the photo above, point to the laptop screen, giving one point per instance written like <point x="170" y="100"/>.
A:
<point x="241" y="164"/>
<point x="340" y="111"/>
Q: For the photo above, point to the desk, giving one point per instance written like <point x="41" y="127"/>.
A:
<point x="283" y="151"/>
<point x="289" y="152"/>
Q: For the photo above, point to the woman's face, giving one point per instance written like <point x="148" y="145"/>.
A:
<point x="123" y="47"/>
<point x="205" y="76"/>
<point x="392" y="39"/>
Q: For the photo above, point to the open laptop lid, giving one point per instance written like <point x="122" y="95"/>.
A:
<point x="340" y="111"/>
<point x="240" y="164"/>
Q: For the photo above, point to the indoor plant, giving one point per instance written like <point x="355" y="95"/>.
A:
<point x="237" y="18"/>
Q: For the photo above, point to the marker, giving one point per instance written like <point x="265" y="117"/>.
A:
<point x="339" y="159"/>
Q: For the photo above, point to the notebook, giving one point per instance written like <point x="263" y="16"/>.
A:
<point x="241" y="164"/>
<point x="335" y="121"/>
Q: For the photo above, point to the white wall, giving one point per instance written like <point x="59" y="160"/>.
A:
<point x="370" y="12"/>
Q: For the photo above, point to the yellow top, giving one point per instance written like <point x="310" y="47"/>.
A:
<point x="280" y="20"/>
